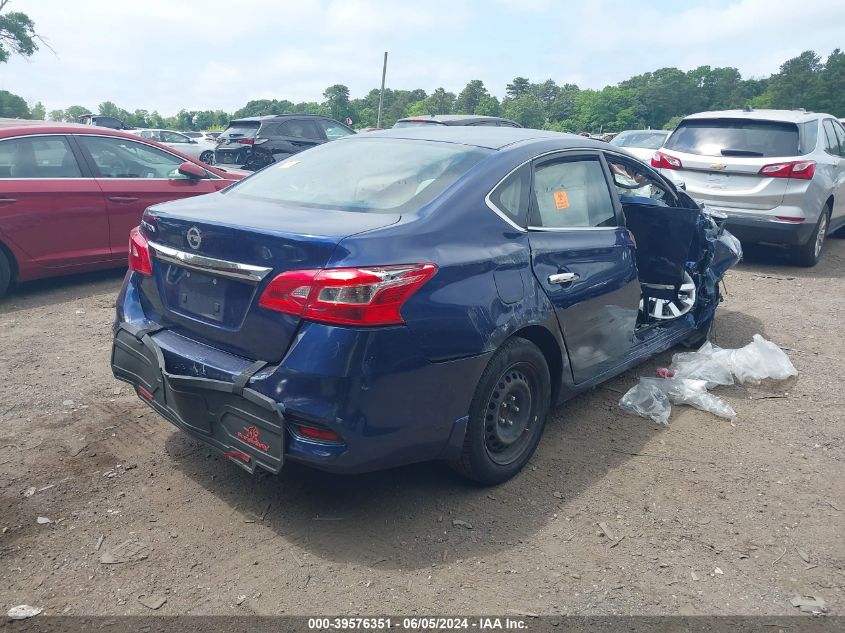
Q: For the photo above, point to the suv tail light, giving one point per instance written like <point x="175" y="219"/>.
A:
<point x="246" y="141"/>
<point x="664" y="161"/>
<point x="347" y="296"/>
<point x="139" y="253"/>
<point x="803" y="170"/>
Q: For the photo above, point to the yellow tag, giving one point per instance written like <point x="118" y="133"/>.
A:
<point x="561" y="199"/>
<point x="288" y="164"/>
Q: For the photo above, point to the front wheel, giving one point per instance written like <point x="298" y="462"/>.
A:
<point x="808" y="254"/>
<point x="207" y="157"/>
<point x="507" y="414"/>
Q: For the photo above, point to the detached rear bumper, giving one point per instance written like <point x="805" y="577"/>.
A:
<point x="374" y="388"/>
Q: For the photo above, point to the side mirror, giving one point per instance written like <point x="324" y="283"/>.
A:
<point x="194" y="172"/>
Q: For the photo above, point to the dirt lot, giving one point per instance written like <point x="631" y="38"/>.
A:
<point x="713" y="517"/>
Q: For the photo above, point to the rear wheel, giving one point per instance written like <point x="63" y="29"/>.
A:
<point x="5" y="273"/>
<point x="808" y="254"/>
<point x="507" y="414"/>
<point x="207" y="157"/>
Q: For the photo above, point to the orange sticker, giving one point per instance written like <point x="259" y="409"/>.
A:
<point x="561" y="199"/>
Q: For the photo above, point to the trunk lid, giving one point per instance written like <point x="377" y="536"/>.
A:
<point x="210" y="265"/>
<point x="721" y="159"/>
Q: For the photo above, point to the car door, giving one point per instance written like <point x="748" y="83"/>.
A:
<point x="583" y="258"/>
<point x="181" y="143"/>
<point x="134" y="175"/>
<point x="51" y="209"/>
<point x="835" y="146"/>
<point x="299" y="135"/>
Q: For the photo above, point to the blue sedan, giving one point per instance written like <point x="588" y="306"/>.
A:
<point x="409" y="295"/>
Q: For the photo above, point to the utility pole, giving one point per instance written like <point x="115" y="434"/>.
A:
<point x="381" y="94"/>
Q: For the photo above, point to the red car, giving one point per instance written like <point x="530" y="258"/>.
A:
<point x="69" y="194"/>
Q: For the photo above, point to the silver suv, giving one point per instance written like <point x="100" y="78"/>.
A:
<point x="779" y="175"/>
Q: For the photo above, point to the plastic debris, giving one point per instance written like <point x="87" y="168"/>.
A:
<point x="461" y="523"/>
<point x="810" y="604"/>
<point x="43" y="521"/>
<point x="693" y="393"/>
<point x="23" y="612"/>
<point x="647" y="401"/>
<point x="691" y="374"/>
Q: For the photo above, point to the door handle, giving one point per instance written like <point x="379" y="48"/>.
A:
<point x="123" y="199"/>
<point x="8" y="200"/>
<point x="563" y="278"/>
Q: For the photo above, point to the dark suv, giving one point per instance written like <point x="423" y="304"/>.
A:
<point x="258" y="141"/>
<point x="104" y="121"/>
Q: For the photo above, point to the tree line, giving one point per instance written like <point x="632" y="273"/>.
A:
<point x="657" y="99"/>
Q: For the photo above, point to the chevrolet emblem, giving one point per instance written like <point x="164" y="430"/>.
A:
<point x="718" y="166"/>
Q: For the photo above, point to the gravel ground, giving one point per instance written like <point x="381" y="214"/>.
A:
<point x="706" y="516"/>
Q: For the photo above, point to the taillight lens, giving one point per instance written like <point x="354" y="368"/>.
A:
<point x="803" y="170"/>
<point x="347" y="296"/>
<point x="246" y="141"/>
<point x="139" y="253"/>
<point x="664" y="161"/>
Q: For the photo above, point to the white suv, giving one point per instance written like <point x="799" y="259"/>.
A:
<point x="779" y="175"/>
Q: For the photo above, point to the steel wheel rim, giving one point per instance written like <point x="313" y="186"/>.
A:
<point x="510" y="415"/>
<point x="821" y="233"/>
<point x="663" y="309"/>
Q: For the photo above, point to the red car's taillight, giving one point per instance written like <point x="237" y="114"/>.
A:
<point x="347" y="296"/>
<point x="139" y="253"/>
<point x="803" y="170"/>
<point x="664" y="161"/>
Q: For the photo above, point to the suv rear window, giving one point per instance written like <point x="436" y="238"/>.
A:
<point x="241" y="129"/>
<point x="731" y="137"/>
<point x="417" y="123"/>
<point x="376" y="175"/>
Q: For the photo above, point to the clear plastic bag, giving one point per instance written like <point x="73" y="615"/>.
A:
<point x="691" y="392"/>
<point x="647" y="401"/>
<point x="702" y="365"/>
<point x="758" y="360"/>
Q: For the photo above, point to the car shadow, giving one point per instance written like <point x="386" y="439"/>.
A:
<point x="404" y="518"/>
<point x="55" y="290"/>
<point x="775" y="263"/>
<point x="418" y="515"/>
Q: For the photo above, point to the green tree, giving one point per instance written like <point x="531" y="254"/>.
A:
<point x="563" y="105"/>
<point x="672" y="123"/>
<point x="337" y="101"/>
<point x="798" y="83"/>
<point x="470" y="96"/>
<point x="441" y="102"/>
<point x="518" y="87"/>
<point x="17" y="34"/>
<point x="488" y="106"/>
<point x="38" y="111"/>
<point x="73" y="113"/>
<point x="526" y="110"/>
<point x="832" y="99"/>
<point x="12" y="106"/>
<point x="56" y="115"/>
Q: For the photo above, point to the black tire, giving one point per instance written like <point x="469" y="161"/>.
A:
<point x="5" y="273"/>
<point x="207" y="157"/>
<point x="500" y="440"/>
<point x="808" y="254"/>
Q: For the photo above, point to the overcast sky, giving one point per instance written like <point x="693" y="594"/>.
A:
<point x="170" y="54"/>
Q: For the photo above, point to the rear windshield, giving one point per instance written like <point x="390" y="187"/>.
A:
<point x="377" y="175"/>
<point x="647" y="140"/>
<point x="417" y="123"/>
<point x="729" y="137"/>
<point x="241" y="129"/>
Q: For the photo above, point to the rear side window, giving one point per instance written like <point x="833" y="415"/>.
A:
<point x="334" y="130"/>
<point x="733" y="137"/>
<point x="511" y="196"/>
<point x="572" y="194"/>
<point x="831" y="141"/>
<point x="38" y="157"/>
<point x="840" y="134"/>
<point x="375" y="175"/>
<point x="299" y="128"/>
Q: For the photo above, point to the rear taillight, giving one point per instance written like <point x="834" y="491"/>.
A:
<point x="347" y="296"/>
<point x="802" y="170"/>
<point x="664" y="161"/>
<point x="246" y="141"/>
<point x="139" y="253"/>
<point x="317" y="433"/>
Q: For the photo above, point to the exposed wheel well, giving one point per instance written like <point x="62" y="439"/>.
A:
<point x="13" y="263"/>
<point x="829" y="202"/>
<point x="547" y="343"/>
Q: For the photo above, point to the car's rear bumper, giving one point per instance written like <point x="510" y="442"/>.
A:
<point x="387" y="402"/>
<point x="767" y="228"/>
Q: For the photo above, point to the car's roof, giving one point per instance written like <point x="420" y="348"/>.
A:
<point x="455" y="118"/>
<point x="39" y="127"/>
<point x="483" y="136"/>
<point x="270" y="117"/>
<point x="643" y="132"/>
<point x="785" y="116"/>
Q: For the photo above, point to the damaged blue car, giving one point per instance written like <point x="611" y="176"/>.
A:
<point x="409" y="295"/>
